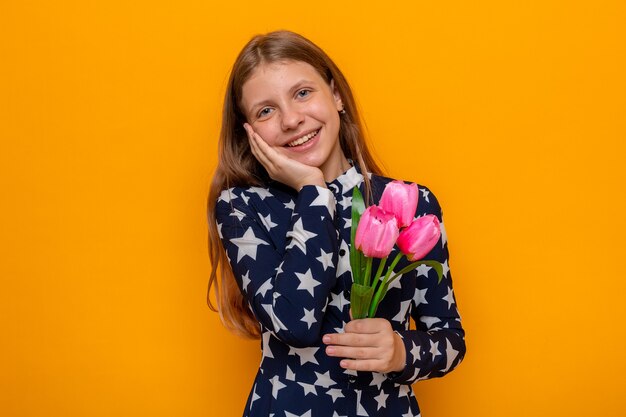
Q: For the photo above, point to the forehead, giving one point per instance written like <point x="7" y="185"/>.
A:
<point x="278" y="77"/>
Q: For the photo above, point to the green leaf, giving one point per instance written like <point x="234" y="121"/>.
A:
<point x="437" y="267"/>
<point x="357" y="259"/>
<point x="433" y="264"/>
<point x="360" y="299"/>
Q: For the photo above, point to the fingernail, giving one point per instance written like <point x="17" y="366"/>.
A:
<point x="330" y="350"/>
<point x="326" y="339"/>
<point x="343" y="364"/>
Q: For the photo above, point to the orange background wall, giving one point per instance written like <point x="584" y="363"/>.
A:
<point x="512" y="112"/>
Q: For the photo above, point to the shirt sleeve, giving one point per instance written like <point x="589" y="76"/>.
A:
<point x="437" y="345"/>
<point x="287" y="288"/>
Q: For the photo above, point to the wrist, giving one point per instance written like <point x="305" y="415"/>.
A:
<point x="319" y="182"/>
<point x="400" y="356"/>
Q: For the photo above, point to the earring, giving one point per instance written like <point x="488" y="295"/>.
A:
<point x="342" y="111"/>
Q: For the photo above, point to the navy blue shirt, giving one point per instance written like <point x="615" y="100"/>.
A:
<point x="289" y="252"/>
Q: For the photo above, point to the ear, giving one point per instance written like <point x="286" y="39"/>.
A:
<point x="337" y="97"/>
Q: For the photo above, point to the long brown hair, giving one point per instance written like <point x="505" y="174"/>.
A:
<point x="237" y="166"/>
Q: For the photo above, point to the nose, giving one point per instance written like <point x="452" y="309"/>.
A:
<point x="292" y="117"/>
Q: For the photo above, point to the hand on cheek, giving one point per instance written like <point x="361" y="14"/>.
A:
<point x="367" y="345"/>
<point x="281" y="168"/>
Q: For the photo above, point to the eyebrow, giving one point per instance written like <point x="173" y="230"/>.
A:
<point x="292" y="90"/>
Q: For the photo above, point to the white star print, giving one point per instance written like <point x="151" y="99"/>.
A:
<point x="404" y="391"/>
<point x="404" y="306"/>
<point x="338" y="300"/>
<point x="307" y="282"/>
<point x="334" y="393"/>
<point x="381" y="399"/>
<point x="324" y="380"/>
<point x="254" y="396"/>
<point x="345" y="202"/>
<point x="266" y="351"/>
<point x="227" y="196"/>
<point x="445" y="268"/>
<point x="422" y="270"/>
<point x="238" y="214"/>
<point x="261" y="192"/>
<point x="299" y="236"/>
<point x="276" y="386"/>
<point x="245" y="280"/>
<point x="335" y="414"/>
<point x="395" y="283"/>
<point x="290" y="205"/>
<point x="219" y="230"/>
<point x="429" y="321"/>
<point x="265" y="287"/>
<point x="451" y="355"/>
<point x="290" y="375"/>
<point x="309" y="317"/>
<point x="326" y="259"/>
<point x="425" y="194"/>
<point x="360" y="411"/>
<point x="305" y="354"/>
<point x="278" y="325"/>
<point x="350" y="178"/>
<point x="449" y="297"/>
<point x="343" y="265"/>
<point x="247" y="244"/>
<point x="279" y="269"/>
<point x="377" y="379"/>
<point x="434" y="349"/>
<point x="325" y="198"/>
<point x="423" y="377"/>
<point x="308" y="388"/>
<point x="420" y="296"/>
<point x="415" y="352"/>
<point x="267" y="221"/>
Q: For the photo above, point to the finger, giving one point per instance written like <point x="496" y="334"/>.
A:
<point x="254" y="140"/>
<point x="370" y="326"/>
<point x="351" y="339"/>
<point x="266" y="152"/>
<point x="353" y="352"/>
<point x="361" y="365"/>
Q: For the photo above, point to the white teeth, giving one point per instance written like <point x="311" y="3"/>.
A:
<point x="303" y="139"/>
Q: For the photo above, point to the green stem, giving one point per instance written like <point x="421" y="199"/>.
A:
<point x="379" y="271"/>
<point x="382" y="288"/>
<point x="368" y="271"/>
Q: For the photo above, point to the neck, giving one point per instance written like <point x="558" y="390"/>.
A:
<point x="335" y="168"/>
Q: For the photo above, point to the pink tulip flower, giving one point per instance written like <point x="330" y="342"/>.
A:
<point x="420" y="237"/>
<point x="376" y="233"/>
<point x="401" y="200"/>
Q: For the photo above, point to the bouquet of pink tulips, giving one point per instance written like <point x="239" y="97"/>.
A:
<point x="375" y="231"/>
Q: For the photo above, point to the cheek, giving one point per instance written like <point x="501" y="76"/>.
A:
<point x="267" y="131"/>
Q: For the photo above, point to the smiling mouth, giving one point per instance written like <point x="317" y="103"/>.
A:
<point x="304" y="139"/>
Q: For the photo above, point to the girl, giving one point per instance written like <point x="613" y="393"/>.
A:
<point x="291" y="149"/>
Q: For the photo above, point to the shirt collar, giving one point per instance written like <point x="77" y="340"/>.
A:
<point x="345" y="182"/>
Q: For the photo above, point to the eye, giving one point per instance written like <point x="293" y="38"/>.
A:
<point x="265" y="111"/>
<point x="304" y="93"/>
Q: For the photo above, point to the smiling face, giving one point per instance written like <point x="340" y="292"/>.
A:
<point x="294" y="110"/>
